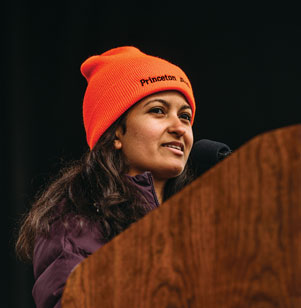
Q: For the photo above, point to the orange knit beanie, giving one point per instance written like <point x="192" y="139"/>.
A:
<point x="119" y="78"/>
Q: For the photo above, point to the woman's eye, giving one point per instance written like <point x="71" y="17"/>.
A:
<point x="186" y="116"/>
<point x="157" y="110"/>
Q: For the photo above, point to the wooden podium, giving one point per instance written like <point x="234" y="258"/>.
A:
<point x="232" y="238"/>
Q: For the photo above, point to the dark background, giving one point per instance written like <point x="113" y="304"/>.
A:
<point x="243" y="62"/>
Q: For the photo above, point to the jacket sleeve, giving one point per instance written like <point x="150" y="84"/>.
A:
<point x="54" y="259"/>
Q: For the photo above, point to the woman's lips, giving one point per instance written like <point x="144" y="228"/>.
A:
<point x="175" y="145"/>
<point x="174" y="149"/>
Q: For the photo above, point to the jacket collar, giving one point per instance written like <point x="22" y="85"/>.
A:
<point x="145" y="184"/>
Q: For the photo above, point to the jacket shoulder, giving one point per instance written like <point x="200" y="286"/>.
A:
<point x="56" y="255"/>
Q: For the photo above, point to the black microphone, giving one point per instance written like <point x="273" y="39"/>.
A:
<point x="205" y="154"/>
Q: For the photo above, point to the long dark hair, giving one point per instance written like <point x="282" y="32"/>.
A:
<point x="93" y="190"/>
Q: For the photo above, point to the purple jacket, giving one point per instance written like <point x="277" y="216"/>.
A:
<point x="55" y="257"/>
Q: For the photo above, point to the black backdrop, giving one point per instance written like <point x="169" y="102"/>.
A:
<point x="243" y="62"/>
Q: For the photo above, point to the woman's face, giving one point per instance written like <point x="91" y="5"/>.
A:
<point x="158" y="135"/>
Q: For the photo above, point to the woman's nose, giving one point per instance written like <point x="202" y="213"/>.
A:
<point x="176" y="126"/>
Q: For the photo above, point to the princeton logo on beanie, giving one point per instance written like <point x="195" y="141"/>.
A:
<point x="119" y="78"/>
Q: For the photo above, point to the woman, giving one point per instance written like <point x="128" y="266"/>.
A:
<point x="138" y="112"/>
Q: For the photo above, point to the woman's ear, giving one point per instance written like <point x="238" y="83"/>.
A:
<point x="117" y="141"/>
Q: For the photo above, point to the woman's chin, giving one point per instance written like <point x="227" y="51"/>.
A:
<point x="168" y="173"/>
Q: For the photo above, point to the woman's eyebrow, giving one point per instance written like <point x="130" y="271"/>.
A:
<point x="167" y="104"/>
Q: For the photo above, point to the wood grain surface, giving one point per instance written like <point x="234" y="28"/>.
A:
<point x="230" y="239"/>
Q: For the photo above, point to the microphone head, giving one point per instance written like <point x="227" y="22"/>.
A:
<point x="206" y="153"/>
